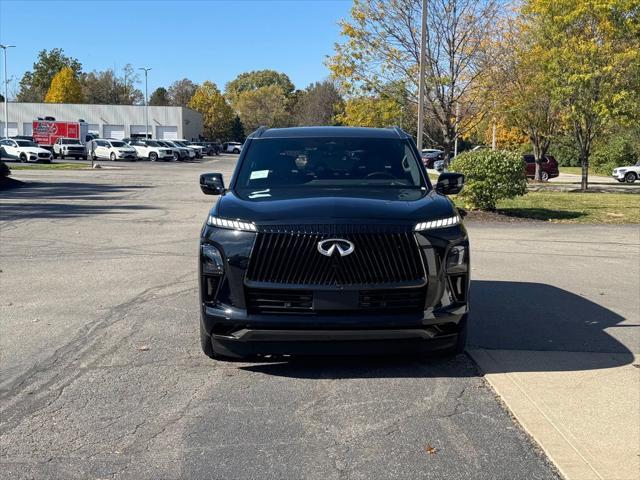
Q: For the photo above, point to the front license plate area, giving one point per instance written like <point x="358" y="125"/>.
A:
<point x="335" y="300"/>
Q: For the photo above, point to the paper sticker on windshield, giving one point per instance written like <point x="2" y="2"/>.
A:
<point x="259" y="174"/>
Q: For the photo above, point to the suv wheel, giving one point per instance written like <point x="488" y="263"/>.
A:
<point x="23" y="158"/>
<point x="112" y="157"/>
<point x="461" y="341"/>
<point x="61" y="155"/>
<point x="153" y="156"/>
<point x="235" y="150"/>
<point x="544" y="176"/>
<point x="55" y="155"/>
<point x="630" y="177"/>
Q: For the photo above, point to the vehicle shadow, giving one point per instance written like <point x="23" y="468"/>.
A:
<point x="61" y="199"/>
<point x="505" y="316"/>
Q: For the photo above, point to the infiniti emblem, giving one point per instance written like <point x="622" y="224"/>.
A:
<point x="330" y="245"/>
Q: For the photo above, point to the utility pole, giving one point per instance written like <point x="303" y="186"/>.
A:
<point x="493" y="135"/>
<point x="146" y="103"/>
<point x="455" y="144"/>
<point x="6" y="91"/>
<point x="421" y="82"/>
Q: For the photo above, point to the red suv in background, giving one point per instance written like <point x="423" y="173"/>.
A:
<point x="549" y="167"/>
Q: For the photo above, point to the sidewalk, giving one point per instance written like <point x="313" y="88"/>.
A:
<point x="555" y="328"/>
<point x="586" y="421"/>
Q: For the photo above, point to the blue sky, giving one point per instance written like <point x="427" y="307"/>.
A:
<point x="200" y="40"/>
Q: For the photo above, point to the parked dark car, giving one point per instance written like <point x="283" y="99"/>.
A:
<point x="549" y="167"/>
<point x="430" y="156"/>
<point x="332" y="240"/>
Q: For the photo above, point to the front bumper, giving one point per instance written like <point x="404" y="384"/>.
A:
<point x="233" y="332"/>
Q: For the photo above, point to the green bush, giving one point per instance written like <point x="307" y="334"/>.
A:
<point x="617" y="151"/>
<point x="490" y="175"/>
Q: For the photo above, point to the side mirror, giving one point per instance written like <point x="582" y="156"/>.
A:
<point x="450" y="183"/>
<point x="212" y="183"/>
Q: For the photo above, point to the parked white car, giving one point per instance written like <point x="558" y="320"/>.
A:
<point x="184" y="153"/>
<point x="627" y="174"/>
<point x="199" y="149"/>
<point x="69" y="147"/>
<point x="152" y="150"/>
<point x="24" y="150"/>
<point x="231" y="147"/>
<point x="112" y="150"/>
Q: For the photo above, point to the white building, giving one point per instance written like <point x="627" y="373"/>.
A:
<point x="108" y="121"/>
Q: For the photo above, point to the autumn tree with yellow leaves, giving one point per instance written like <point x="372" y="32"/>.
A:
<point x="64" y="88"/>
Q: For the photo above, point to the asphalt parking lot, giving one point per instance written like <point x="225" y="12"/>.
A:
<point x="102" y="374"/>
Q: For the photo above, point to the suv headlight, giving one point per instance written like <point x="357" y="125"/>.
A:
<point x="442" y="223"/>
<point x="231" y="224"/>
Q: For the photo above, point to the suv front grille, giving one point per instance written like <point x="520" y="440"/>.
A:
<point x="289" y="255"/>
<point x="282" y="301"/>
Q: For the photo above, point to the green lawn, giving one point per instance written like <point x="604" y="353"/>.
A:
<point x="49" y="166"/>
<point x="573" y="207"/>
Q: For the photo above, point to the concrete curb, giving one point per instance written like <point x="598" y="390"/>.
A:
<point x="583" y="446"/>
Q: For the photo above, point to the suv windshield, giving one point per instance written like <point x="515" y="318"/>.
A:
<point x="119" y="144"/>
<point x="26" y="143"/>
<point x="329" y="162"/>
<point x="151" y="143"/>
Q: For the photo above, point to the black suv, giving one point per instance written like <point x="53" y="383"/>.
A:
<point x="332" y="240"/>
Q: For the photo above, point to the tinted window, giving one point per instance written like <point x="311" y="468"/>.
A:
<point x="152" y="144"/>
<point x="329" y="162"/>
<point x="26" y="143"/>
<point x="118" y="144"/>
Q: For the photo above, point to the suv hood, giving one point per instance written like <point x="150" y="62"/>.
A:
<point x="325" y="205"/>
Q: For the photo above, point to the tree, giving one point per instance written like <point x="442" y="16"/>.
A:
<point x="318" y="104"/>
<point x="237" y="130"/>
<point x="181" y="91"/>
<point x="160" y="97"/>
<point x="34" y="85"/>
<point x="370" y="111"/>
<point x="590" y="53"/>
<point x="521" y="94"/>
<point x="107" y="87"/>
<point x="65" y="88"/>
<point x="251" y="81"/>
<point x="217" y="115"/>
<point x="382" y="46"/>
<point x="263" y="106"/>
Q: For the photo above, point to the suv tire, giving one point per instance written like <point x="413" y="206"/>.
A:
<point x="630" y="177"/>
<point x="153" y="156"/>
<point x="544" y="176"/>
<point x="23" y="158"/>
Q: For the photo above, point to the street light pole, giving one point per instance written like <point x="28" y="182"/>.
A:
<point x="146" y="103"/>
<point x="421" y="85"/>
<point x="6" y="91"/>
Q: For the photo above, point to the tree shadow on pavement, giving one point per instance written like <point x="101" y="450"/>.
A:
<point x="539" y="317"/>
<point x="64" y="199"/>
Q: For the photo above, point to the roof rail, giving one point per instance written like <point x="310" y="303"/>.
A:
<point x="258" y="133"/>
<point x="400" y="132"/>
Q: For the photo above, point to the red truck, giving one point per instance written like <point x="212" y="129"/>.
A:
<point x="46" y="132"/>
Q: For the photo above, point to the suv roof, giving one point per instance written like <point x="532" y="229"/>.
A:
<point x="357" y="132"/>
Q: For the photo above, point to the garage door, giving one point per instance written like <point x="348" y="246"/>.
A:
<point x="167" y="133"/>
<point x="114" y="131"/>
<point x="13" y="129"/>
<point x="27" y="128"/>
<point x="93" y="128"/>
<point x="138" y="131"/>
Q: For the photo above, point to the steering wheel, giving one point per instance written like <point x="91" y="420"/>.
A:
<point x="374" y="175"/>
